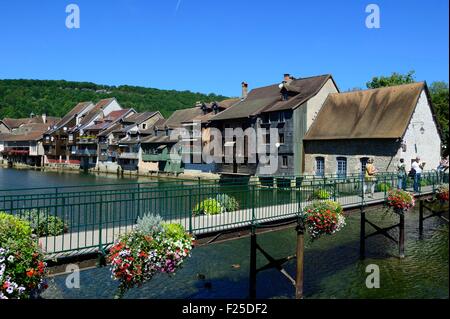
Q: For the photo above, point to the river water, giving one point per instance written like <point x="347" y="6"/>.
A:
<point x="332" y="265"/>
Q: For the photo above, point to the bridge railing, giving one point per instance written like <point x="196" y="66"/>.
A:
<point x="94" y="218"/>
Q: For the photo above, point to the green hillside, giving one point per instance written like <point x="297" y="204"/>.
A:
<point x="18" y="98"/>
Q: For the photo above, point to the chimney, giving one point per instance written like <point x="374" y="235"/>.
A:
<point x="244" y="90"/>
<point x="44" y="118"/>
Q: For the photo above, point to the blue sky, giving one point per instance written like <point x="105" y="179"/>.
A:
<point x="213" y="45"/>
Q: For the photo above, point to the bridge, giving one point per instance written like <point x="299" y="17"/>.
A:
<point x="96" y="215"/>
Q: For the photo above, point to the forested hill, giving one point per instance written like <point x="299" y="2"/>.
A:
<point x="18" y="98"/>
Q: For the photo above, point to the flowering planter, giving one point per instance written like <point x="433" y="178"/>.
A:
<point x="323" y="218"/>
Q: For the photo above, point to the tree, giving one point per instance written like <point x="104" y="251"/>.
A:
<point x="394" y="79"/>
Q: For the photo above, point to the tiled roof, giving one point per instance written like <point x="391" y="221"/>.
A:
<point x="268" y="98"/>
<point x="377" y="113"/>
<point x="138" y="118"/>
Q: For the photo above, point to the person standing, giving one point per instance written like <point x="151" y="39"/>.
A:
<point x="417" y="166"/>
<point x="370" y="177"/>
<point x="401" y="175"/>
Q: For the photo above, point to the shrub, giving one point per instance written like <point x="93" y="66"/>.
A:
<point x="22" y="267"/>
<point x="149" y="224"/>
<point x="229" y="203"/>
<point x="323" y="218"/>
<point x="321" y="194"/>
<point x="44" y="224"/>
<point x="384" y="187"/>
<point x="442" y="193"/>
<point x="209" y="206"/>
<point x="137" y="256"/>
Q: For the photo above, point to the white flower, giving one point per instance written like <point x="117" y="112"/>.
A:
<point x="10" y="290"/>
<point x="11" y="258"/>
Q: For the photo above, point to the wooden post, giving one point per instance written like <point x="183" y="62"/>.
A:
<point x="300" y="260"/>
<point x="421" y="218"/>
<point x="362" y="235"/>
<point x="252" y="279"/>
<point x="401" y="236"/>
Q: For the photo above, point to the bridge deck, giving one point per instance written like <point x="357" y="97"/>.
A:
<point x="89" y="241"/>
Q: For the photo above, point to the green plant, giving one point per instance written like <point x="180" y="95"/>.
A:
<point x="229" y="203"/>
<point x="424" y="182"/>
<point x="22" y="267"/>
<point x="384" y="187"/>
<point x="174" y="231"/>
<point x="321" y="194"/>
<point x="44" y="224"/>
<point x="209" y="206"/>
<point x="149" y="224"/>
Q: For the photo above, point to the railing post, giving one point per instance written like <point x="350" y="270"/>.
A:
<point x="420" y="218"/>
<point x="300" y="229"/>
<point x="138" y="212"/>
<point x="190" y="210"/>
<point x="362" y="234"/>
<point x="401" y="236"/>
<point x="252" y="278"/>
<point x="101" y="257"/>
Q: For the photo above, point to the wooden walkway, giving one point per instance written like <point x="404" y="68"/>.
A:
<point x="75" y="243"/>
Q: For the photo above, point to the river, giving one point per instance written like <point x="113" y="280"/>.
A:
<point x="332" y="265"/>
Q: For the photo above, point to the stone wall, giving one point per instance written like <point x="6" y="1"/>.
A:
<point x="384" y="153"/>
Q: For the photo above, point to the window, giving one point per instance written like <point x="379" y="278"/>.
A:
<point x="144" y="126"/>
<point x="320" y="166"/>
<point x="281" y="138"/>
<point x="341" y="167"/>
<point x="282" y="117"/>
<point x="285" y="161"/>
<point x="363" y="165"/>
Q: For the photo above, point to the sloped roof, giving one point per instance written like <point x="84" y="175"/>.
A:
<point x="157" y="140"/>
<point x="376" y="113"/>
<point x="267" y="99"/>
<point x="28" y="132"/>
<point x="73" y="112"/>
<point x="109" y="120"/>
<point x="96" y="110"/>
<point x="180" y="116"/>
<point x="15" y="123"/>
<point x="138" y="118"/>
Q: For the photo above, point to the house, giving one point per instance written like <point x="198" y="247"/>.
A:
<point x="199" y="136"/>
<point x="89" y="148"/>
<point x="385" y="124"/>
<point x="134" y="129"/>
<point x="24" y="146"/>
<point x="167" y="129"/>
<point x="278" y="116"/>
<point x="9" y="125"/>
<point x="59" y="143"/>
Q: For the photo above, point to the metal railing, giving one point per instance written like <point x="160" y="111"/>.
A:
<point x="95" y="215"/>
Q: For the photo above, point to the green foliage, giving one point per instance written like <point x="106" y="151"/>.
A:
<point x="394" y="79"/>
<point x="21" y="260"/>
<point x="149" y="224"/>
<point x="174" y="231"/>
<point x="321" y="194"/>
<point x="44" y="224"/>
<point x="440" y="98"/>
<point x="384" y="187"/>
<point x="209" y="206"/>
<point x="18" y="98"/>
<point x="229" y="203"/>
<point x="330" y="205"/>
